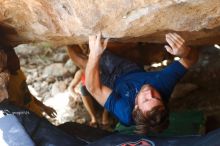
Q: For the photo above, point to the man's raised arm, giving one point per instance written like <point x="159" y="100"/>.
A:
<point x="93" y="82"/>
<point x="177" y="47"/>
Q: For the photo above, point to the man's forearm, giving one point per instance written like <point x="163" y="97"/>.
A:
<point x="93" y="83"/>
<point x="190" y="59"/>
<point x="92" y="75"/>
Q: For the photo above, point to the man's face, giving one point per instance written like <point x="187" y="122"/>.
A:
<point x="147" y="98"/>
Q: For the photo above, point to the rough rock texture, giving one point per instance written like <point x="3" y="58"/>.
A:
<point x="71" y="21"/>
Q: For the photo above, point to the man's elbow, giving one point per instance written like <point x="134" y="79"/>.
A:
<point x="94" y="91"/>
<point x="91" y="88"/>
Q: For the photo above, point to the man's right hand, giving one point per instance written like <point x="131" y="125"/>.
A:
<point x="177" y="45"/>
<point x="178" y="48"/>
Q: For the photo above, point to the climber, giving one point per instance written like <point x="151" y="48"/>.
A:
<point x="77" y="56"/>
<point x="18" y="92"/>
<point x="132" y="95"/>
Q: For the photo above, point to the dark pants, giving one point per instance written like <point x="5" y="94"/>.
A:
<point x="40" y="130"/>
<point x="113" y="66"/>
<point x="84" y="91"/>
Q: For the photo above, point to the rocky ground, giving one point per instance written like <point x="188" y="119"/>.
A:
<point x="49" y="72"/>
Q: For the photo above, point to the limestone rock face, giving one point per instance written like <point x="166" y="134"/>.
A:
<point x="71" y="21"/>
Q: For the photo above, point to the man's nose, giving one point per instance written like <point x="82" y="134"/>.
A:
<point x="150" y="94"/>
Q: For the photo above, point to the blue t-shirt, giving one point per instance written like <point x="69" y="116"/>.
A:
<point x="122" y="99"/>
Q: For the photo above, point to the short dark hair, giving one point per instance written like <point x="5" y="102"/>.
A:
<point x="155" y="120"/>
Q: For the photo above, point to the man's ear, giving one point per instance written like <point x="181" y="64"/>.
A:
<point x="136" y="107"/>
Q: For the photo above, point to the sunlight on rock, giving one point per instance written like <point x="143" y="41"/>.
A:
<point x="164" y="62"/>
<point x="60" y="103"/>
<point x="176" y="58"/>
<point x="217" y="46"/>
<point x="156" y="64"/>
<point x="159" y="64"/>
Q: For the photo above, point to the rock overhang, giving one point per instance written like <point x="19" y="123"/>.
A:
<point x="68" y="22"/>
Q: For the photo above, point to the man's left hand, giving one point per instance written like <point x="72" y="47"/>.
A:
<point x="96" y="46"/>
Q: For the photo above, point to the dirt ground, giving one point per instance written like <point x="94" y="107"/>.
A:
<point x="206" y="98"/>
